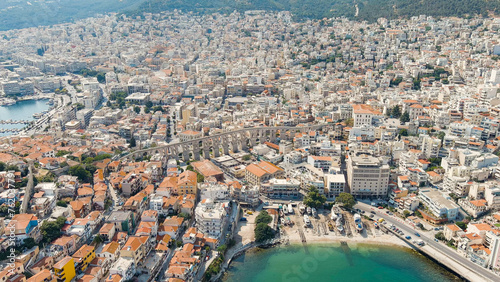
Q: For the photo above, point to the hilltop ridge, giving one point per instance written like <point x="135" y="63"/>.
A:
<point x="315" y="9"/>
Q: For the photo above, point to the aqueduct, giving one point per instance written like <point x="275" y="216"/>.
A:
<point x="222" y="143"/>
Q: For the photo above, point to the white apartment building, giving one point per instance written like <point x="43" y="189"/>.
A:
<point x="211" y="217"/>
<point x="364" y="115"/>
<point x="323" y="163"/>
<point x="367" y="176"/>
<point x="430" y="146"/>
<point x="215" y="191"/>
<point x="281" y="188"/>
<point x="465" y="157"/>
<point x="438" y="204"/>
<point x="334" y="185"/>
<point x="492" y="196"/>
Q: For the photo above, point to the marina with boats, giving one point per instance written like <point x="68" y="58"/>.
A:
<point x="14" y="117"/>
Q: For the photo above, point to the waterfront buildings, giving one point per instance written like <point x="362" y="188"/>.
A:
<point x="367" y="175"/>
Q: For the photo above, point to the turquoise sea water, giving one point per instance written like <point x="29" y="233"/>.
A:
<point x="22" y="110"/>
<point x="335" y="263"/>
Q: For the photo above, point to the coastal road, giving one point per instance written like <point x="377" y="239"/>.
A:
<point x="447" y="251"/>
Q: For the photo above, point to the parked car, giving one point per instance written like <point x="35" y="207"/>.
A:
<point x="380" y="207"/>
<point x="416" y="234"/>
<point x="436" y="240"/>
<point x="373" y="212"/>
<point x="408" y="237"/>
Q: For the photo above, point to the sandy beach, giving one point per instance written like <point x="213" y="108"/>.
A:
<point x="319" y="233"/>
<point x="382" y="239"/>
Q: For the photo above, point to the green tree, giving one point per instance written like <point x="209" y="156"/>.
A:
<point x="137" y="109"/>
<point x="451" y="243"/>
<point x="406" y="213"/>
<point x="108" y="204"/>
<point x="314" y="199"/>
<point x="132" y="142"/>
<point x="396" y="81"/>
<point x="200" y="178"/>
<point x="405" y="117"/>
<point x="90" y="168"/>
<point x="184" y="215"/>
<point x="12" y="167"/>
<point x="247" y="157"/>
<point x="441" y="135"/>
<point x="79" y="106"/>
<point x="418" y="214"/>
<point x="62" y="153"/>
<point x="396" y="111"/>
<point x="222" y="249"/>
<point x="440" y="236"/>
<point x="436" y="161"/>
<point x="461" y="224"/>
<point x="97" y="240"/>
<point x="263" y="217"/>
<point x="149" y="104"/>
<point x="263" y="232"/>
<point x="403" y="132"/>
<point x="29" y="243"/>
<point x="80" y="172"/>
<point x="346" y="199"/>
<point x="51" y="230"/>
<point x="61" y="203"/>
<point x="101" y="77"/>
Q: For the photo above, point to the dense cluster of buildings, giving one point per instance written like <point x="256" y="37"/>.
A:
<point x="406" y="110"/>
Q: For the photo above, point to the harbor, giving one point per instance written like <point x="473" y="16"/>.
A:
<point x="15" y="117"/>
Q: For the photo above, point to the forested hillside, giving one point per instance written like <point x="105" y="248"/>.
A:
<point x="368" y="9"/>
<point x="15" y="14"/>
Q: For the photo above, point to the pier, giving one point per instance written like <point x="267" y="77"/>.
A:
<point x="15" y="121"/>
<point x="10" y="130"/>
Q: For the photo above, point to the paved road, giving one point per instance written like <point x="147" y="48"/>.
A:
<point x="409" y="230"/>
<point x="29" y="190"/>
